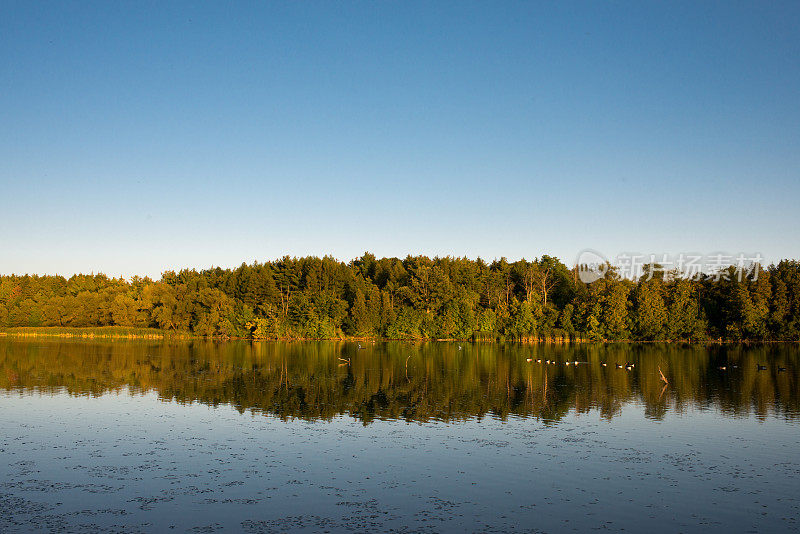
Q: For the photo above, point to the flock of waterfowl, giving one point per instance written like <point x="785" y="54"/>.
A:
<point x="759" y="367"/>
<point x="627" y="366"/>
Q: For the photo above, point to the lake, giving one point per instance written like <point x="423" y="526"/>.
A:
<point x="136" y="436"/>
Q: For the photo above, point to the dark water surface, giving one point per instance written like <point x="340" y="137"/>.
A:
<point x="271" y="437"/>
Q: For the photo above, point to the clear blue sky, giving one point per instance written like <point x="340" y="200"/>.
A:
<point x="137" y="137"/>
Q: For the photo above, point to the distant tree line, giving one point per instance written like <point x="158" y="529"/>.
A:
<point x="419" y="298"/>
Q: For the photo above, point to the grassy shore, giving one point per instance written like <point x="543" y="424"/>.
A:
<point x="92" y="332"/>
<point x="127" y="332"/>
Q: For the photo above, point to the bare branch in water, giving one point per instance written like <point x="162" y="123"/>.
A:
<point x="662" y="375"/>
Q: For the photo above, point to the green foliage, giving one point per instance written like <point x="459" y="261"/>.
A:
<point x="416" y="298"/>
<point x="487" y="321"/>
<point x="650" y="317"/>
<point x="593" y="328"/>
<point x="522" y="324"/>
<point x="614" y="313"/>
<point x="407" y="325"/>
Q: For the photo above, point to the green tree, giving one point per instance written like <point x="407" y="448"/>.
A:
<point x="650" y="311"/>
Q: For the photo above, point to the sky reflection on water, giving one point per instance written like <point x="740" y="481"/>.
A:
<point x="272" y="437"/>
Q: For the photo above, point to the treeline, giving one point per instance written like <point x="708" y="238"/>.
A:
<point x="419" y="298"/>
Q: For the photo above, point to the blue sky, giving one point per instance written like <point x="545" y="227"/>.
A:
<point x="137" y="137"/>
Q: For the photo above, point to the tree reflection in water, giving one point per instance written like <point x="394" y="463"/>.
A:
<point x="416" y="381"/>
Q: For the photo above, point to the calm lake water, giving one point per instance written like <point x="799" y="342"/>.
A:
<point x="438" y="437"/>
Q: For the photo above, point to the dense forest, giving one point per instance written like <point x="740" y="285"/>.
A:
<point x="419" y="298"/>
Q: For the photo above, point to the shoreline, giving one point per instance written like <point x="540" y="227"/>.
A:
<point x="123" y="332"/>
